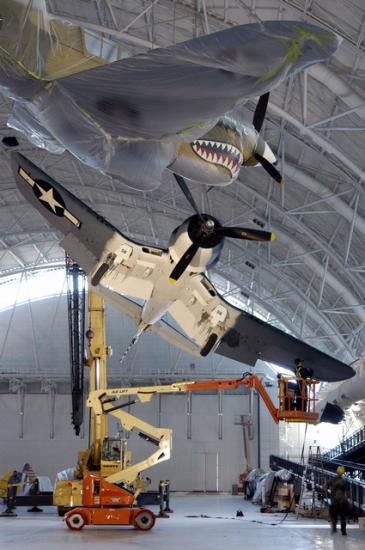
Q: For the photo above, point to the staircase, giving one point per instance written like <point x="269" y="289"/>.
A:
<point x="320" y="476"/>
<point x="352" y="448"/>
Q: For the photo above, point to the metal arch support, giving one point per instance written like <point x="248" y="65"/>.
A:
<point x="201" y="5"/>
<point x="337" y="284"/>
<point x="351" y="231"/>
<point x="133" y="40"/>
<point x="294" y="172"/>
<point x="318" y="140"/>
<point x="131" y="23"/>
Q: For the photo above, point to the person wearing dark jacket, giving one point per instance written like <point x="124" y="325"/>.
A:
<point x="302" y="373"/>
<point x="339" y="492"/>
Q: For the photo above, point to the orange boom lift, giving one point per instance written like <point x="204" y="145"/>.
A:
<point x="104" y="502"/>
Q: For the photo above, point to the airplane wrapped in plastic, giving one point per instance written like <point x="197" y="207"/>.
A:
<point x="177" y="107"/>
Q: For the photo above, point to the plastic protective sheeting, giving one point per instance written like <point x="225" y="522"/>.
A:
<point x="284" y="475"/>
<point x="44" y="486"/>
<point x="263" y="488"/>
<point x="128" y="118"/>
<point x="251" y="481"/>
<point x="66" y="475"/>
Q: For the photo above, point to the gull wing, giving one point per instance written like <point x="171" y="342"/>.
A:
<point x="179" y="89"/>
<point x="212" y="323"/>
<point x="98" y="247"/>
<point x="93" y="242"/>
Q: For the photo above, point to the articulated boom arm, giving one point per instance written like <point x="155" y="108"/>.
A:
<point x="103" y="402"/>
<point x="249" y="381"/>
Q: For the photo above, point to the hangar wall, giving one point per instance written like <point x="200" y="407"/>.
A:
<point x="202" y="463"/>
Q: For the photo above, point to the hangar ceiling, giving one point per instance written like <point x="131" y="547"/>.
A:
<point x="311" y="280"/>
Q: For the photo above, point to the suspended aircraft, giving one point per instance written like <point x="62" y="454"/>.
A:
<point x="169" y="280"/>
<point x="176" y="108"/>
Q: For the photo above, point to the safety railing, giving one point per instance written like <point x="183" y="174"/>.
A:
<point x="297" y="399"/>
<point x="348" y="445"/>
<point x="319" y="477"/>
<point x="353" y="469"/>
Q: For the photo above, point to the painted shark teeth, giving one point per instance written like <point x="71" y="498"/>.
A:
<point x="223" y="154"/>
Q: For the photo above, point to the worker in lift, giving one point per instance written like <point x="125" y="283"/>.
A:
<point x="302" y="373"/>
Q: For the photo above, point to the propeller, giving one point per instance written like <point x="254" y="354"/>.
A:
<point x="260" y="111"/>
<point x="258" y="120"/>
<point x="270" y="168"/>
<point x="246" y="233"/>
<point x="205" y="231"/>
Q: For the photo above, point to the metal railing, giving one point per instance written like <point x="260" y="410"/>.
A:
<point x="351" y="443"/>
<point x="320" y="476"/>
<point x="353" y="469"/>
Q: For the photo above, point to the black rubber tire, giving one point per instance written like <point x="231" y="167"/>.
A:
<point x="96" y="278"/>
<point x="209" y="345"/>
<point x="75" y="521"/>
<point x="144" y="520"/>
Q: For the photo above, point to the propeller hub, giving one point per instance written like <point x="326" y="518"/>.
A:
<point x="209" y="225"/>
<point x="202" y="231"/>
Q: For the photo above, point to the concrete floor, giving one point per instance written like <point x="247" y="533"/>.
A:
<point x="221" y="530"/>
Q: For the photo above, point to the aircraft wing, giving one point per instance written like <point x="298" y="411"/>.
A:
<point x="88" y="238"/>
<point x="207" y="319"/>
<point x="177" y="90"/>
<point x="255" y="338"/>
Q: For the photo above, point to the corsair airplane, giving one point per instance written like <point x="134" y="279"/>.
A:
<point x="170" y="280"/>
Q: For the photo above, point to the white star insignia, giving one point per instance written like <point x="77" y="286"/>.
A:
<point x="47" y="196"/>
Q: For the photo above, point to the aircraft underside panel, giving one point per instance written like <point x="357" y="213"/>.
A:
<point x="251" y="339"/>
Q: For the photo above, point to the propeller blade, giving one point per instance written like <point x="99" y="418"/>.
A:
<point x="183" y="263"/>
<point x="185" y="189"/>
<point x="260" y="111"/>
<point x="270" y="168"/>
<point x="246" y="233"/>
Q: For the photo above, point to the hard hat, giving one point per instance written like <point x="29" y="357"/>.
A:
<point x="340" y="470"/>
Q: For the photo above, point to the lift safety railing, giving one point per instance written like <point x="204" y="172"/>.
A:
<point x="348" y="445"/>
<point x="319" y="477"/>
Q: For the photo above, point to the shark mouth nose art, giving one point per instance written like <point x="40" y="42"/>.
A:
<point x="219" y="153"/>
